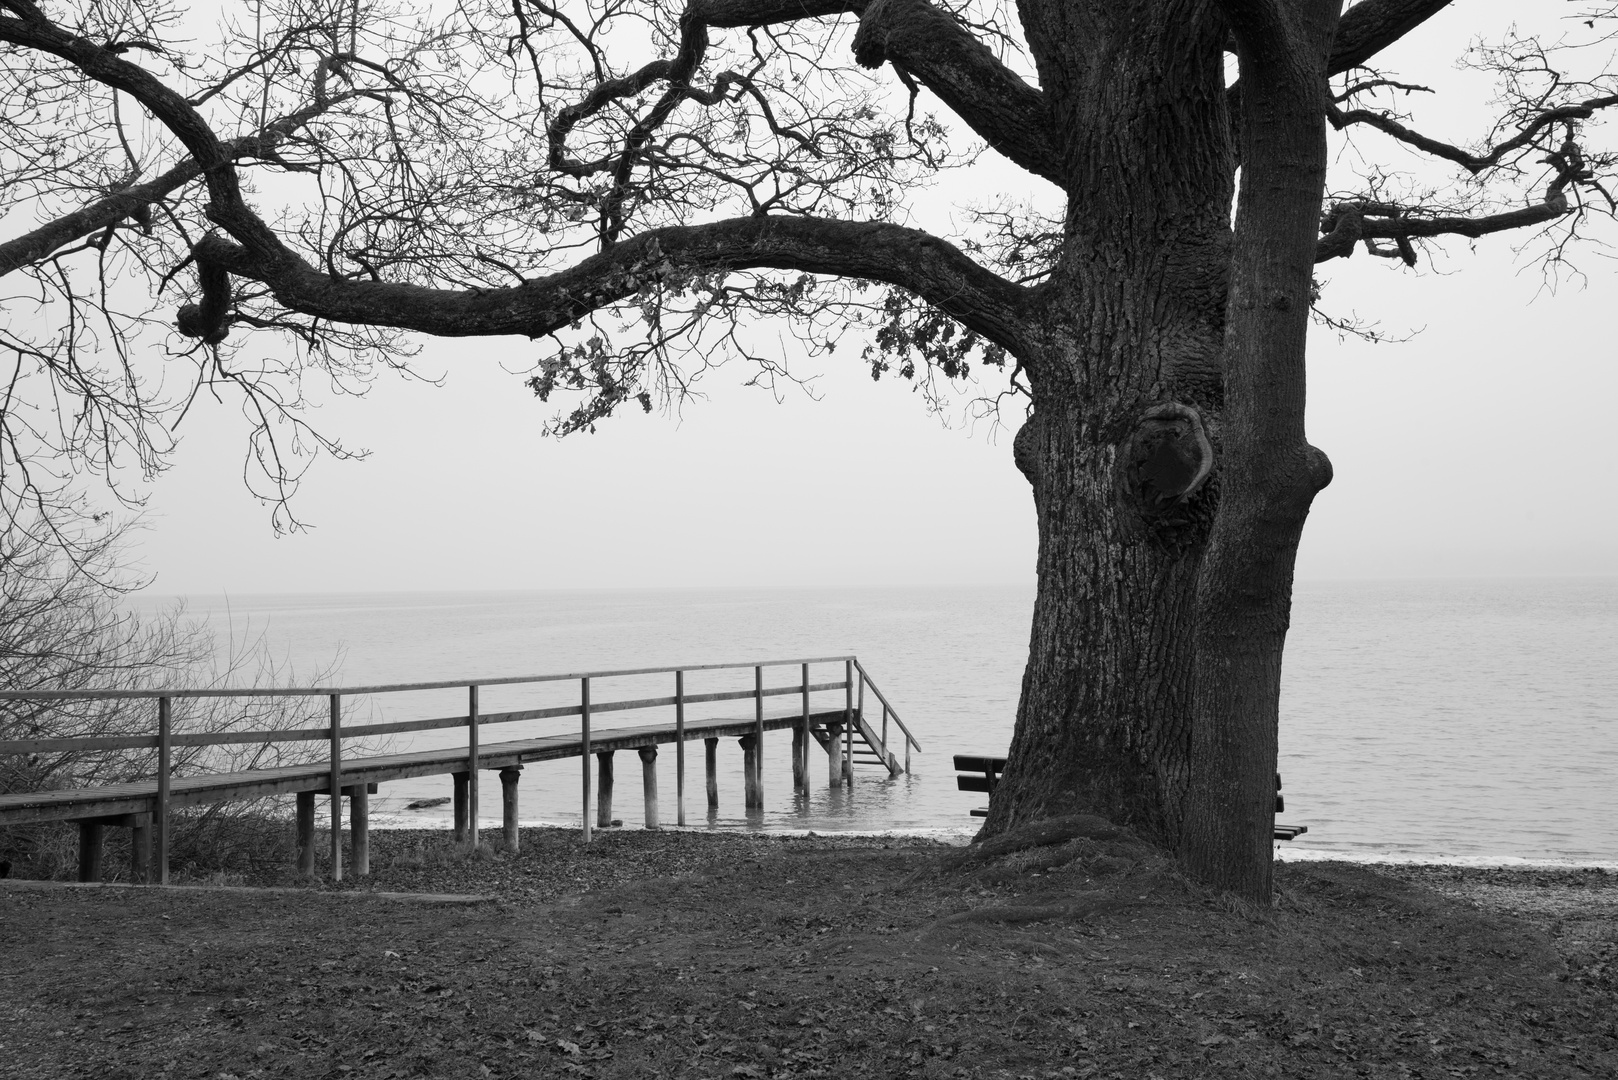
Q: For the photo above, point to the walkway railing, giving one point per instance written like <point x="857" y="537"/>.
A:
<point x="854" y="681"/>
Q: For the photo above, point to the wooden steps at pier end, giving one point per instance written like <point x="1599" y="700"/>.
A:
<point x="839" y="726"/>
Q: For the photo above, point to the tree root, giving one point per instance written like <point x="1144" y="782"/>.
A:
<point x="1046" y="833"/>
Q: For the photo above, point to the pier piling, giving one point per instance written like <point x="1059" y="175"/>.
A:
<point x="800" y="781"/>
<point x="359" y="808"/>
<point x="604" y="789"/>
<point x="306" y="833"/>
<point x="508" y="804"/>
<point x="140" y="848"/>
<point x="710" y="755"/>
<point x="834" y="753"/>
<point x="753" y="797"/>
<point x="648" y="777"/>
<point x="91" y="834"/>
<point x="462" y="789"/>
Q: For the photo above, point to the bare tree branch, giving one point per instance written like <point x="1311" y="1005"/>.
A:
<point x="914" y="260"/>
<point x="104" y="64"/>
<point x="921" y="40"/>
<point x="1472" y="162"/>
<point x="1347" y="224"/>
<point x="133" y="204"/>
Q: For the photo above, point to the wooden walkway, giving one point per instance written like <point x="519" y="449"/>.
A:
<point x="842" y="732"/>
<point x="118" y="799"/>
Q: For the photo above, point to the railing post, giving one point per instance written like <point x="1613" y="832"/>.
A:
<point x="165" y="748"/>
<point x="336" y="787"/>
<point x="758" y="734"/>
<point x="800" y="744"/>
<point x="584" y="723"/>
<point x="472" y="764"/>
<point x="679" y="746"/>
<point x="848" y="756"/>
<point x="884" y="727"/>
<point x="848" y="721"/>
<point x="834" y="764"/>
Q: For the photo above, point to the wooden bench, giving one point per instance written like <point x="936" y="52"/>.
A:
<point x="980" y="773"/>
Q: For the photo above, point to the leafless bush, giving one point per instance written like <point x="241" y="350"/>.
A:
<point x="64" y="626"/>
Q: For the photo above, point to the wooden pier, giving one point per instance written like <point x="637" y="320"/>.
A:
<point x="841" y="731"/>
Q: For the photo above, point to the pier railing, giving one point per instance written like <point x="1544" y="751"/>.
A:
<point x="854" y="682"/>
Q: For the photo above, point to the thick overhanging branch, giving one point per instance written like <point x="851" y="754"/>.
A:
<point x="1372" y="25"/>
<point x="922" y="41"/>
<point x="931" y="268"/>
<point x="731" y="14"/>
<point x="1363" y="31"/>
<point x="908" y="258"/>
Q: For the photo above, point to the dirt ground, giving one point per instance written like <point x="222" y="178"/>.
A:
<point x="1070" y="952"/>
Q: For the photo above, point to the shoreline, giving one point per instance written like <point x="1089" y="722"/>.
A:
<point x="1554" y="895"/>
<point x="394" y="821"/>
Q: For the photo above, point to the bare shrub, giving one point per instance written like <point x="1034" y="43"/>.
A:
<point x="64" y="626"/>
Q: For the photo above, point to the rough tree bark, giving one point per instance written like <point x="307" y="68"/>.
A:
<point x="1244" y="594"/>
<point x="1166" y="448"/>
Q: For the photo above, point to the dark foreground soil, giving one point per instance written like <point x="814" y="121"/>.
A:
<point x="1075" y="952"/>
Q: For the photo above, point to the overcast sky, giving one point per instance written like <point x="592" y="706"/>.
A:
<point x="1481" y="447"/>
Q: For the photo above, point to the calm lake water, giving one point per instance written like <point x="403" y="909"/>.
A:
<point x="1420" y="719"/>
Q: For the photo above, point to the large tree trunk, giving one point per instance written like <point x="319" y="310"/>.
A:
<point x="1104" y="721"/>
<point x="1169" y="521"/>
<point x="1127" y="392"/>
